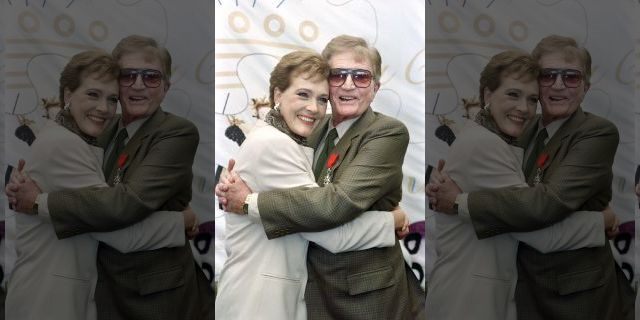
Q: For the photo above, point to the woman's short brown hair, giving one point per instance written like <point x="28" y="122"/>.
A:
<point x="92" y="62"/>
<point x="294" y="64"/>
<point x="360" y="47"/>
<point x="569" y="48"/>
<point x="507" y="63"/>
<point x="137" y="43"/>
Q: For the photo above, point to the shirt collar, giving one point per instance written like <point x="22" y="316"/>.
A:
<point x="552" y="127"/>
<point x="343" y="126"/>
<point x="132" y="127"/>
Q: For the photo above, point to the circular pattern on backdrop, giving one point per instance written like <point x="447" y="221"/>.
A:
<point x="449" y="22"/>
<point x="518" y="31"/>
<point x="484" y="25"/>
<point x="64" y="25"/>
<point x="98" y="31"/>
<point x="269" y="21"/>
<point x="28" y="22"/>
<point x="306" y="26"/>
<point x="241" y="27"/>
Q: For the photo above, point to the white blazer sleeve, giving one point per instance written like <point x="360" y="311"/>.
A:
<point x="283" y="164"/>
<point x="162" y="229"/>
<point x="369" y="230"/>
<point x="579" y="230"/>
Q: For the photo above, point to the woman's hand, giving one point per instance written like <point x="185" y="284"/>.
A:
<point x="190" y="223"/>
<point x="611" y="223"/>
<point x="401" y="222"/>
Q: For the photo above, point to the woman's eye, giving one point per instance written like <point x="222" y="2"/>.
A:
<point x="113" y="100"/>
<point x="303" y="94"/>
<point x="92" y="94"/>
<point x="323" y="100"/>
<point x="513" y="94"/>
<point x="533" y="100"/>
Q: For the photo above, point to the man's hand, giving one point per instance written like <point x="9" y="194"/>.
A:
<point x="401" y="222"/>
<point x="236" y="193"/>
<point x="446" y="195"/>
<point x="611" y="223"/>
<point x="222" y="185"/>
<point x="191" y="226"/>
<point x="26" y="196"/>
<point x="435" y="180"/>
<point x="17" y="177"/>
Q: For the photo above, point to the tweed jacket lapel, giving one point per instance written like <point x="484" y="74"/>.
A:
<point x="135" y="142"/>
<point x="566" y="129"/>
<point x="345" y="141"/>
<point x="555" y="143"/>
<point x="353" y="133"/>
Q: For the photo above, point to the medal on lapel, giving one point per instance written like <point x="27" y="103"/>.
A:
<point x="540" y="162"/>
<point x="331" y="162"/>
<point x="122" y="160"/>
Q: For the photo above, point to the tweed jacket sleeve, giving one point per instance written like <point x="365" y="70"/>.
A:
<point x="577" y="176"/>
<point x="368" y="176"/>
<point x="158" y="172"/>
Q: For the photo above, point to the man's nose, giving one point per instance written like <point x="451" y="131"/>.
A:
<point x="348" y="83"/>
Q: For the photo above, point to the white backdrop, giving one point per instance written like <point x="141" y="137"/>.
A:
<point x="463" y="35"/>
<point x="251" y="36"/>
<point x="40" y="36"/>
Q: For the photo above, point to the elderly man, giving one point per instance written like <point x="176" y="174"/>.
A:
<point x="365" y="175"/>
<point x="568" y="159"/>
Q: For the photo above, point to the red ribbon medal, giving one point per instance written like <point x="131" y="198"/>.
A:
<point x="122" y="160"/>
<point x="542" y="159"/>
<point x="540" y="162"/>
<point x="331" y="162"/>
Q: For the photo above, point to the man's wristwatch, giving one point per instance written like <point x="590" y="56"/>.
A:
<point x="245" y="206"/>
<point x="34" y="209"/>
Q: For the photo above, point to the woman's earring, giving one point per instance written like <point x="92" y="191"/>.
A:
<point x="66" y="107"/>
<point x="277" y="107"/>
<point x="486" y="107"/>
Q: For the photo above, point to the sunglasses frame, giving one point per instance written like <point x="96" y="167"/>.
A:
<point x="564" y="73"/>
<point x="139" y="72"/>
<point x="354" y="73"/>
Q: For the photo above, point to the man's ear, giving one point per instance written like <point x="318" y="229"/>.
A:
<point x="376" y="86"/>
<point x="586" y="87"/>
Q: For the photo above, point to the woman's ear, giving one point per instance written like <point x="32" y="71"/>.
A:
<point x="67" y="96"/>
<point x="277" y="95"/>
<point x="487" y="95"/>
